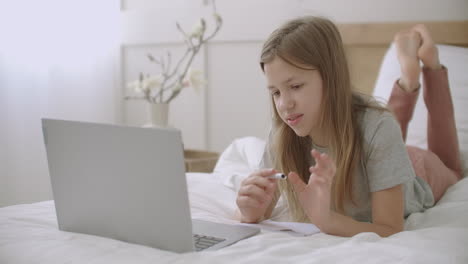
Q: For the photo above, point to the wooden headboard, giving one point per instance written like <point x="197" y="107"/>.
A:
<point x="366" y="45"/>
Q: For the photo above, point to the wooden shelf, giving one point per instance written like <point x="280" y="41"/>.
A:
<point x="199" y="160"/>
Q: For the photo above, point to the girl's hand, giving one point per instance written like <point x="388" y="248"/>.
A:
<point x="315" y="195"/>
<point x="255" y="195"/>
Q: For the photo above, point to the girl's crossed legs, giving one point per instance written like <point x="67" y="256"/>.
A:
<point x="440" y="165"/>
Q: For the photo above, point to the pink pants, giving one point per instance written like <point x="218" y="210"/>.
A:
<point x="440" y="165"/>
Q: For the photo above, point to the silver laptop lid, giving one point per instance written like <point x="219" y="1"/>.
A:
<point x="126" y="183"/>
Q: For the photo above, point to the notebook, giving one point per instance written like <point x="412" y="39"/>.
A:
<point x="127" y="183"/>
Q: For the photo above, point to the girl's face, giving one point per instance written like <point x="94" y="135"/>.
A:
<point x="297" y="94"/>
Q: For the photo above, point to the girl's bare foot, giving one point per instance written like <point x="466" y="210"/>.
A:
<point x="408" y="43"/>
<point x="427" y="52"/>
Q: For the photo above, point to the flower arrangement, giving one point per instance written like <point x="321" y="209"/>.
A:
<point x="164" y="86"/>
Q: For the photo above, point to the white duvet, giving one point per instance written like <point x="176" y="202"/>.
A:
<point x="29" y="233"/>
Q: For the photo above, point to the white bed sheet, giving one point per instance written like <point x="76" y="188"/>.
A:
<point x="29" y="234"/>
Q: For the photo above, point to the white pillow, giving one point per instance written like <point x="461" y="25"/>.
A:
<point x="239" y="160"/>
<point x="456" y="61"/>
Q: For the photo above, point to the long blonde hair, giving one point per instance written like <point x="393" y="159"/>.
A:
<point x="315" y="41"/>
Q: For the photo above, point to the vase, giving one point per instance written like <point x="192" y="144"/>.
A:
<point x="158" y="115"/>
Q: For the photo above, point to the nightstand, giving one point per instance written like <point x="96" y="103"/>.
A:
<point x="200" y="161"/>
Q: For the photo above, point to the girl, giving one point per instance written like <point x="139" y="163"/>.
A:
<point x="348" y="168"/>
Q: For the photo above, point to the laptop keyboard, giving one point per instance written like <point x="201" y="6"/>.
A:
<point x="204" y="242"/>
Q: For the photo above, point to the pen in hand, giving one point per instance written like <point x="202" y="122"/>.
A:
<point x="279" y="176"/>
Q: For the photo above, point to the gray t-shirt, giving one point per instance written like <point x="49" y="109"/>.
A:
<point x="384" y="164"/>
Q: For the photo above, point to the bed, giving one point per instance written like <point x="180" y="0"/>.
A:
<point x="29" y="233"/>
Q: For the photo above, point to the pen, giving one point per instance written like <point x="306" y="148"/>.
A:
<point x="278" y="176"/>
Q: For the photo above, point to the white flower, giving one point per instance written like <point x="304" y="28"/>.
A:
<point x="152" y="82"/>
<point x="198" y="29"/>
<point x="168" y="83"/>
<point x="135" y="86"/>
<point x="196" y="79"/>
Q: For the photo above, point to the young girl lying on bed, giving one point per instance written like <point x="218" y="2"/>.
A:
<point x="348" y="168"/>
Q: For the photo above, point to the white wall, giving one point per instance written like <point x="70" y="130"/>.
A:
<point x="235" y="103"/>
<point x="57" y="59"/>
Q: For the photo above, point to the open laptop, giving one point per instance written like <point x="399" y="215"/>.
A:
<point x="127" y="183"/>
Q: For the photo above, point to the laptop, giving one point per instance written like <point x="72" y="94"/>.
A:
<point x="127" y="183"/>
